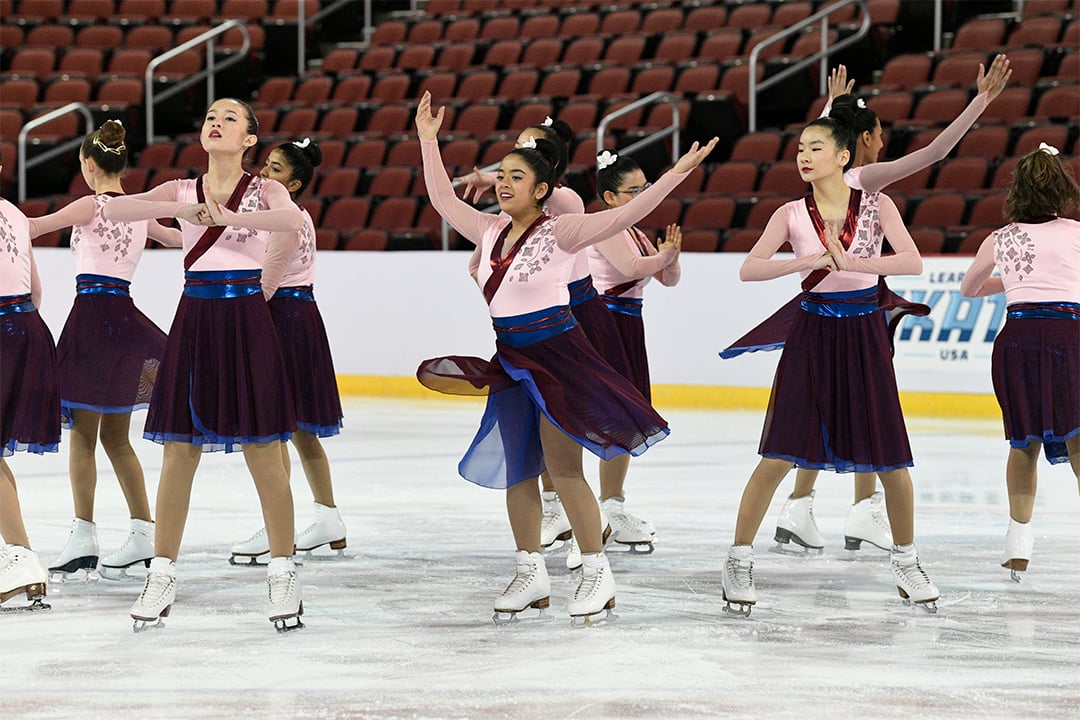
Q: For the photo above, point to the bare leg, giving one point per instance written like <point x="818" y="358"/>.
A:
<point x="804" y="482"/>
<point x="316" y="466"/>
<point x="11" y="523"/>
<point x="1073" y="446"/>
<point x="115" y="438"/>
<point x="275" y="496"/>
<point x="82" y="464"/>
<point x="1020" y="478"/>
<point x="613" y="476"/>
<point x="526" y="513"/>
<point x="865" y="486"/>
<point x="285" y="459"/>
<point x="545" y="480"/>
<point x="900" y="504"/>
<point x="756" y="497"/>
<point x="562" y="455"/>
<point x="174" y="496"/>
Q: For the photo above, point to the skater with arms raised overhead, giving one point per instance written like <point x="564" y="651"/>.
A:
<point x="834" y="402"/>
<point x="1036" y="358"/>
<point x="287" y="280"/>
<point x="108" y="353"/>
<point x="29" y="403"/>
<point x="222" y="384"/>
<point x="552" y="392"/>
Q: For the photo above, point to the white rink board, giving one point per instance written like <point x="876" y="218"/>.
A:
<point x="385" y="312"/>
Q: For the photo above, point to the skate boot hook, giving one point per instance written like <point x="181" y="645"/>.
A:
<point x="797" y="524"/>
<point x="530" y="589"/>
<point x="737" y="582"/>
<point x="595" y="593"/>
<point x="21" y="573"/>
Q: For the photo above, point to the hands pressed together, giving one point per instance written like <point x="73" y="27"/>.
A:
<point x="833" y="257"/>
<point x="207" y="213"/>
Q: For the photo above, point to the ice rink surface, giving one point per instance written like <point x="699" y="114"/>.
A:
<point x="402" y="628"/>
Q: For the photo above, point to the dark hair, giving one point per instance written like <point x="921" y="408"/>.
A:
<point x="846" y="109"/>
<point x="560" y="135"/>
<point x="303" y="157"/>
<point x="612" y="176"/>
<point x="542" y="160"/>
<point x="1041" y="185"/>
<point x="107" y="148"/>
<point x="841" y="133"/>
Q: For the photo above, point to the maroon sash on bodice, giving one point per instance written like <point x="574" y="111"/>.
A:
<point x="501" y="265"/>
<point x="211" y="235"/>
<point x="851" y="221"/>
<point x="640" y="241"/>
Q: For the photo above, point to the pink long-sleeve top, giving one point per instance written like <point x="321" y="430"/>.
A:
<point x="100" y="246"/>
<point x="878" y="219"/>
<point x="17" y="272"/>
<point x="301" y="269"/>
<point x="1038" y="262"/>
<point x="627" y="257"/>
<point x="238" y="248"/>
<point x="540" y="273"/>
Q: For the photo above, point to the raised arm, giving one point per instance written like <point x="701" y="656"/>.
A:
<point x="760" y="264"/>
<point x="905" y="260"/>
<point x="157" y="202"/>
<point x="279" y="253"/>
<point x="670" y="276"/>
<point x="979" y="279"/>
<point x="77" y="212"/>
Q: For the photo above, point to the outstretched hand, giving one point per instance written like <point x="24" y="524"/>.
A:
<point x="694" y="156"/>
<point x="476" y="183"/>
<point x="838" y="82"/>
<point x="427" y="124"/>
<point x="994" y="80"/>
<point x="672" y="240"/>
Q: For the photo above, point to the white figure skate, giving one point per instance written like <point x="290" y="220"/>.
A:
<point x="79" y="558"/>
<point x="286" y="599"/>
<point x="867" y="522"/>
<point x="737" y="582"/>
<point x="21" y="573"/>
<point x="595" y="593"/>
<point x="328" y="529"/>
<point x="797" y="524"/>
<point x="912" y="582"/>
<point x="530" y="588"/>
<point x="573" y="553"/>
<point x="555" y="525"/>
<point x="157" y="596"/>
<point x="137" y="548"/>
<point x="253" y="551"/>
<point x="1019" y="544"/>
<point x="628" y="530"/>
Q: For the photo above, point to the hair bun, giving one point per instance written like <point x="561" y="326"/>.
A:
<point x="112" y="133"/>
<point x="310" y="148"/>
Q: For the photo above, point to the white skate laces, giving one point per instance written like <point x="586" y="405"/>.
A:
<point x="530" y="588"/>
<point x="159" y="592"/>
<point x="555" y="525"/>
<point x="283" y="589"/>
<point x="912" y="582"/>
<point x="628" y="529"/>
<point x="595" y="593"/>
<point x="738" y="580"/>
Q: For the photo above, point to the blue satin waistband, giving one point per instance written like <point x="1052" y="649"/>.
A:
<point x="1044" y="311"/>
<point x="623" y="305"/>
<point x="520" y="330"/>
<point x="222" y="283"/>
<point x="581" y="291"/>
<point x="88" y="284"/>
<point x="851" y="303"/>
<point x="16" y="304"/>
<point x="297" y="292"/>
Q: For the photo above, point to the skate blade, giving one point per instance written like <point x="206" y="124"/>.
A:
<point x="632" y="548"/>
<point x="118" y="573"/>
<point x="248" y="560"/>
<point x="929" y="606"/>
<point x="35" y="605"/>
<point x="504" y="618"/>
<point x="584" y="621"/>
<point x="1014" y="575"/>
<point x="82" y="575"/>
<point x="309" y="555"/>
<point x="796" y="550"/>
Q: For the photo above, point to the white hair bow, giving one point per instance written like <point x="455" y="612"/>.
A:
<point x="861" y="103"/>
<point x="1048" y="149"/>
<point x="605" y="159"/>
<point x="530" y="143"/>
<point x="548" y="122"/>
<point x="302" y="143"/>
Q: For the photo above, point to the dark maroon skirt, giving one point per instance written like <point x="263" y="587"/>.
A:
<point x="601" y="328"/>
<point x="632" y="331"/>
<point x="834" y="403"/>
<point x="29" y="390"/>
<point x="306" y="352"/>
<point x="109" y="354"/>
<point x="222" y="383"/>
<point x="1036" y="373"/>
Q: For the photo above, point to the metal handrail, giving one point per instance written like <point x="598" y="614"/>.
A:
<point x="672" y="129"/>
<point x="206" y="38"/>
<point x="821" y="55"/>
<point x="302" y="23"/>
<point x="25" y="164"/>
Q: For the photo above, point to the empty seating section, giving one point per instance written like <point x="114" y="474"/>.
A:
<point x="500" y="66"/>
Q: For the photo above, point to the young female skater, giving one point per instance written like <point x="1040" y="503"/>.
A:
<point x="109" y="353"/>
<point x="866" y="523"/>
<point x="29" y="401"/>
<point x="556" y="394"/>
<point x="1036" y="358"/>
<point x="834" y="402"/>
<point x="223" y="383"/>
<point x="287" y="284"/>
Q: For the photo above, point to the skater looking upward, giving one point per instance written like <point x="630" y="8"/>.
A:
<point x="101" y="383"/>
<point x="556" y="394"/>
<point x="1036" y="357"/>
<point x="866" y="522"/>
<point x="223" y="383"/>
<point x="826" y="412"/>
<point x="287" y="282"/>
<point x="29" y="400"/>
